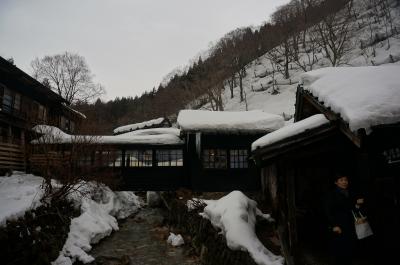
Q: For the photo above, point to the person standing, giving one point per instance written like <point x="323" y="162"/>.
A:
<point x="339" y="206"/>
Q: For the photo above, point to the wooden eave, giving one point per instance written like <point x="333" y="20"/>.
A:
<point x="294" y="142"/>
<point x="357" y="138"/>
<point x="19" y="80"/>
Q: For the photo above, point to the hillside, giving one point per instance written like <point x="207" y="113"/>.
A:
<point x="266" y="88"/>
<point x="267" y="61"/>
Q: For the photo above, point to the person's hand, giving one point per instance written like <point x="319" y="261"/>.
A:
<point x="337" y="230"/>
<point x="360" y="201"/>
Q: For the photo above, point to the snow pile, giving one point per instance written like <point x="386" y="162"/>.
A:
<point x="255" y="121"/>
<point x="141" y="125"/>
<point x="235" y="214"/>
<point x="159" y="136"/>
<point x="363" y="96"/>
<point x="290" y="130"/>
<point x="99" y="209"/>
<point x="19" y="193"/>
<point x="175" y="240"/>
<point x="98" y="220"/>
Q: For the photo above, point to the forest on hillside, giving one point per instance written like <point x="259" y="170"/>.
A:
<point x="225" y="67"/>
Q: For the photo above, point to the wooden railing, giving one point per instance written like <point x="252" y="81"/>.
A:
<point x="12" y="156"/>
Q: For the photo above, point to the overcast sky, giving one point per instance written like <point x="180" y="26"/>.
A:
<point x="129" y="45"/>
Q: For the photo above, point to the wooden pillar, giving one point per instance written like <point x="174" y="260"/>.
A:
<point x="285" y="209"/>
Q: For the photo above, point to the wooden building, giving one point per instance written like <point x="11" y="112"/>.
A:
<point x="218" y="147"/>
<point x="25" y="102"/>
<point x="358" y="133"/>
<point x="210" y="152"/>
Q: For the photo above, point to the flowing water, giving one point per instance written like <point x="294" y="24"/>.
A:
<point x="141" y="240"/>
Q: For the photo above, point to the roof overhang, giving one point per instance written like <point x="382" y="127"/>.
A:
<point x="295" y="142"/>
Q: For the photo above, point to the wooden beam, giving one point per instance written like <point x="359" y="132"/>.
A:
<point x="332" y="116"/>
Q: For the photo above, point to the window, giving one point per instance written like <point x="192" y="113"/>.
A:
<point x="84" y="160"/>
<point x="7" y="100"/>
<point x="42" y="112"/>
<point x="109" y="158"/>
<point x="169" y="158"/>
<point x="214" y="158"/>
<point x="17" y="102"/>
<point x="117" y="157"/>
<point x="139" y="158"/>
<point x="238" y="158"/>
<point x="72" y="126"/>
<point x="64" y="123"/>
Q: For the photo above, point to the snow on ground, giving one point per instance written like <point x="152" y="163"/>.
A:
<point x="235" y="214"/>
<point x="156" y="136"/>
<point x="98" y="220"/>
<point x="19" y="193"/>
<point x="363" y="96"/>
<point x="290" y="130"/>
<point x="100" y="209"/>
<point x="135" y="126"/>
<point x="226" y="121"/>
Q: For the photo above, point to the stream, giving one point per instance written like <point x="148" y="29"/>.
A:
<point x="141" y="240"/>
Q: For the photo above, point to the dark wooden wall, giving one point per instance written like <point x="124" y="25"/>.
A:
<point x="207" y="179"/>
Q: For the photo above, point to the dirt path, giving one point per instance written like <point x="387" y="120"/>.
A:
<point x="141" y="241"/>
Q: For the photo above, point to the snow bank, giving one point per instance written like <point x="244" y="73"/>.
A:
<point x="159" y="136"/>
<point x="98" y="220"/>
<point x="290" y="130"/>
<point x="363" y="96"/>
<point x="135" y="126"/>
<point x="19" y="193"/>
<point x="99" y="209"/>
<point x="235" y="214"/>
<point x="254" y="121"/>
<point x="175" y="240"/>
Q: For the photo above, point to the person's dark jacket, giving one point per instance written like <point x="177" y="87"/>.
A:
<point x="338" y="210"/>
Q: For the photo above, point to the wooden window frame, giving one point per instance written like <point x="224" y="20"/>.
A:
<point x="238" y="158"/>
<point x="144" y="158"/>
<point x="215" y="158"/>
<point x="170" y="157"/>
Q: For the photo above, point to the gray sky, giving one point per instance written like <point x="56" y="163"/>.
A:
<point x="130" y="45"/>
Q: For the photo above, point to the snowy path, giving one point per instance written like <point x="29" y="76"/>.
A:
<point x="140" y="241"/>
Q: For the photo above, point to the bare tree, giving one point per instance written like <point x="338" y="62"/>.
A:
<point x="333" y="36"/>
<point x="70" y="160"/>
<point x="308" y="59"/>
<point x="69" y="75"/>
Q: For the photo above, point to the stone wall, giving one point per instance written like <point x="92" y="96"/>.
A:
<point x="207" y="243"/>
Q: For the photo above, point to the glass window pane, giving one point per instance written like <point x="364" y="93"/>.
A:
<point x="7" y="100"/>
<point x="139" y="158"/>
<point x="173" y="157"/>
<point x="214" y="158"/>
<point x="17" y="102"/>
<point x="238" y="158"/>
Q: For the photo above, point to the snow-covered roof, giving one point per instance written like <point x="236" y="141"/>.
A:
<point x="75" y="111"/>
<point x="136" y="126"/>
<point x="156" y="136"/>
<point x="290" y="130"/>
<point x="363" y="96"/>
<point x="254" y="121"/>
